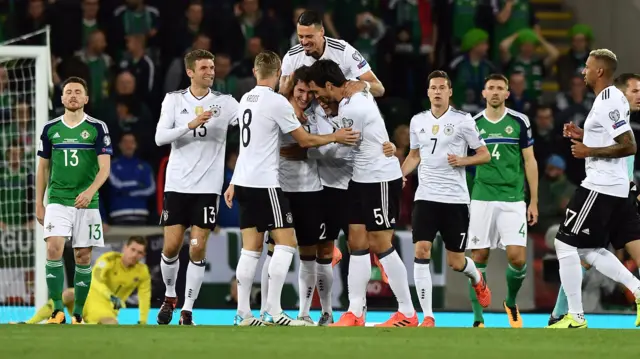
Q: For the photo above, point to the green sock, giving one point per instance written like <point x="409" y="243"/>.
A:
<point x="515" y="277"/>
<point x="55" y="282"/>
<point x="82" y="283"/>
<point x="475" y="305"/>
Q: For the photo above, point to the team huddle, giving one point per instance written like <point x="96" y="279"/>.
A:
<point x="320" y="141"/>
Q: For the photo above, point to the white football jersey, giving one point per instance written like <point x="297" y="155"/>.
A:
<point x="453" y="133"/>
<point x="262" y="115"/>
<point x="335" y="160"/>
<point x="300" y="176"/>
<point x="197" y="159"/>
<point x="348" y="58"/>
<point x="608" y="119"/>
<point x="370" y="165"/>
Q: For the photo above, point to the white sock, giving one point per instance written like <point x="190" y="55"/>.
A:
<point x="324" y="284"/>
<point x="471" y="271"/>
<point x="571" y="278"/>
<point x="169" y="268"/>
<point x="608" y="264"/>
<point x="195" y="274"/>
<point x="245" y="272"/>
<point x="424" y="286"/>
<point x="264" y="284"/>
<point x="357" y="280"/>
<point x="397" y="274"/>
<point x="307" y="275"/>
<point x="278" y="268"/>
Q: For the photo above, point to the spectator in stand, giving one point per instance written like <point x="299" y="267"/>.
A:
<point x="518" y="99"/>
<point x="244" y="69"/>
<point x="225" y="82"/>
<point x="251" y="22"/>
<point x="511" y="17"/>
<point x="190" y="28"/>
<point x="547" y="135"/>
<point x="452" y="19"/>
<point x="136" y="61"/>
<point x="401" y="139"/>
<point x="19" y="131"/>
<point x="176" y="77"/>
<point x="16" y="189"/>
<point x="340" y="17"/>
<point x="6" y="99"/>
<point x="131" y="185"/>
<point x="469" y="71"/>
<point x="554" y="193"/>
<point x="229" y="217"/>
<point x="573" y="62"/>
<point x="36" y="18"/>
<point x="526" y="60"/>
<point x="133" y="18"/>
<point x="575" y="104"/>
<point x="100" y="67"/>
<point x="370" y="32"/>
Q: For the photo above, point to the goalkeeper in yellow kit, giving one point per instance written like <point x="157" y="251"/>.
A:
<point x="115" y="276"/>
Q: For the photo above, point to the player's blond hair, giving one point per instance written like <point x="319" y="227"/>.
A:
<point x="608" y="57"/>
<point x="267" y="64"/>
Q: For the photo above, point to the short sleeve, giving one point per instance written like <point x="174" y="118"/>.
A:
<point x="232" y="111"/>
<point x="350" y="116"/>
<point x="44" y="146"/>
<point x="287" y="65"/>
<point x="103" y="140"/>
<point x="471" y="134"/>
<point x="414" y="141"/>
<point x="285" y="117"/>
<point x="355" y="61"/>
<point x="613" y="114"/>
<point x="526" y="135"/>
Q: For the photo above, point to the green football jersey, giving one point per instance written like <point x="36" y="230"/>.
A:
<point x="502" y="179"/>
<point x="73" y="152"/>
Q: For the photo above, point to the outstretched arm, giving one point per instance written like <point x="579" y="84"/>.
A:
<point x="625" y="146"/>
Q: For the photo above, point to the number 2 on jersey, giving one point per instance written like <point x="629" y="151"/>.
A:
<point x="245" y="132"/>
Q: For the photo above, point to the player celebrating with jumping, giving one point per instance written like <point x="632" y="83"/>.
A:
<point x="75" y="161"/>
<point x="439" y="139"/>
<point x="499" y="215"/>
<point x="195" y="122"/>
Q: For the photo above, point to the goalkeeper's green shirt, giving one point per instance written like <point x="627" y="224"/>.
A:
<point x="73" y="152"/>
<point x="502" y="179"/>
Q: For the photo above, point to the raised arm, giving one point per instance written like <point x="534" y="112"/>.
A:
<point x="625" y="146"/>
<point x="166" y="130"/>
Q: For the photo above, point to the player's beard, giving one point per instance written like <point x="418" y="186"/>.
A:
<point x="72" y="108"/>
<point x="496" y="105"/>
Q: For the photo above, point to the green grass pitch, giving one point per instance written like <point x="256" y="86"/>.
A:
<point x="141" y="342"/>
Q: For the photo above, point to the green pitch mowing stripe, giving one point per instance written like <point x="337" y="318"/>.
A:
<point x="104" y="342"/>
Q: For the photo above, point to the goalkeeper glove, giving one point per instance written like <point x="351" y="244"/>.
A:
<point x="117" y="303"/>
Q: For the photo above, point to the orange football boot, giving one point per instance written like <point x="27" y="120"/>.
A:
<point x="482" y="292"/>
<point x="428" y="322"/>
<point x="400" y="320"/>
<point x="348" y="319"/>
<point x="57" y="317"/>
<point x="515" y="319"/>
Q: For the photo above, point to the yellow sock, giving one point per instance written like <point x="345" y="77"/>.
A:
<point x="42" y="313"/>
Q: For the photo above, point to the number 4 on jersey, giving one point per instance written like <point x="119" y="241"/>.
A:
<point x="495" y="153"/>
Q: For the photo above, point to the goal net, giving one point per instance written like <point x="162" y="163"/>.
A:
<point x="24" y="89"/>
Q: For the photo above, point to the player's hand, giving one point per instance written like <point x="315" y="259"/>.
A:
<point x="456" y="161"/>
<point x="293" y="152"/>
<point x="200" y="120"/>
<point x="40" y="213"/>
<point x="228" y="196"/>
<point x="404" y="181"/>
<point x="302" y="117"/>
<point x="389" y="149"/>
<point x="347" y="136"/>
<point x="84" y="199"/>
<point x="570" y="130"/>
<point x="532" y="213"/>
<point x="117" y="303"/>
<point x="353" y="87"/>
<point x="579" y="150"/>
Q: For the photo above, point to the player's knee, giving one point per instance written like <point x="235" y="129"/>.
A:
<point x="307" y="252"/>
<point x="358" y="238"/>
<point x="55" y="248"/>
<point x="423" y="250"/>
<point x="325" y="250"/>
<point x="82" y="256"/>
<point x="197" y="249"/>
<point x="456" y="261"/>
<point x="67" y="296"/>
<point x="480" y="255"/>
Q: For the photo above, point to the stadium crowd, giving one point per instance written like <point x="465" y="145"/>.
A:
<point x="130" y="51"/>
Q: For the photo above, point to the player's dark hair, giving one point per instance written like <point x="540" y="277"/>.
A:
<point x="76" y="80"/>
<point x="137" y="239"/>
<point x="323" y="71"/>
<point x="439" y="74"/>
<point x="310" y="18"/>
<point x="497" y="77"/>
<point x="301" y="74"/>
<point x="192" y="56"/>
<point x="621" y="82"/>
<point x="267" y="64"/>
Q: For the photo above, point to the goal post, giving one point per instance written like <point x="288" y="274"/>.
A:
<point x="25" y="82"/>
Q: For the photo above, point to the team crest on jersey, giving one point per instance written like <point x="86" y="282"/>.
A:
<point x="614" y="115"/>
<point x="199" y="110"/>
<point x="289" y="218"/>
<point x="346" y="122"/>
<point x="356" y="56"/>
<point x="165" y="214"/>
<point x="85" y="134"/>
<point x="435" y="129"/>
<point x="216" y="111"/>
<point x="448" y="129"/>
<point x="508" y="130"/>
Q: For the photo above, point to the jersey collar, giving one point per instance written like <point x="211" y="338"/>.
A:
<point x="76" y="125"/>
<point x="262" y="87"/>
<point x="484" y="114"/>
<point x="443" y="114"/>
<point x="199" y="98"/>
